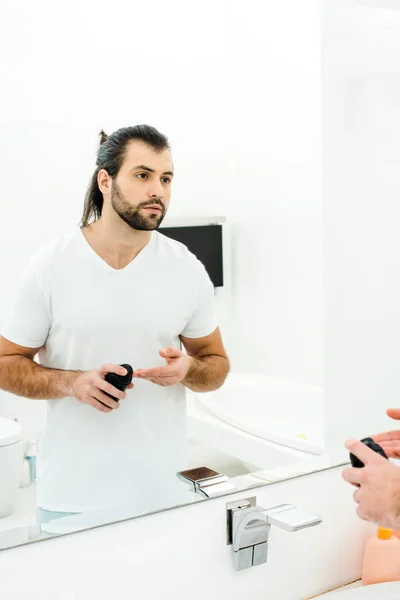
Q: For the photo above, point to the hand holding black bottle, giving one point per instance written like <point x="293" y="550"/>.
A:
<point x="121" y="382"/>
<point x="356" y="462"/>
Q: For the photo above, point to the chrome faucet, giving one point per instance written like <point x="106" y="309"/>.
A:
<point x="250" y="530"/>
<point x="205" y="482"/>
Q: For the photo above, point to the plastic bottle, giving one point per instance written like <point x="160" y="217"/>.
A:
<point x="121" y="382"/>
<point x="381" y="558"/>
<point x="31" y="453"/>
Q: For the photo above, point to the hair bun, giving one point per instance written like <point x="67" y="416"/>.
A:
<point x="103" y="137"/>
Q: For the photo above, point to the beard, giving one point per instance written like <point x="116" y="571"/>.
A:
<point x="131" y="214"/>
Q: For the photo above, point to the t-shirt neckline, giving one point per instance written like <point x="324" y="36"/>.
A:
<point x="105" y="264"/>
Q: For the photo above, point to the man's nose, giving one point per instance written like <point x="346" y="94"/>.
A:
<point x="156" y="190"/>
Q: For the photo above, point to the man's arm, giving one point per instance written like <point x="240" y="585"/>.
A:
<point x="22" y="376"/>
<point x="202" y="369"/>
<point x="209" y="365"/>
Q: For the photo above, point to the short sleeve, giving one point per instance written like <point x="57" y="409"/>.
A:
<point x="28" y="322"/>
<point x="204" y="319"/>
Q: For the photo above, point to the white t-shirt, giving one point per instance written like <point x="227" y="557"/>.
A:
<point x="87" y="314"/>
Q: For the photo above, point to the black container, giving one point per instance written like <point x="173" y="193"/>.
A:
<point x="121" y="382"/>
<point x="356" y="462"/>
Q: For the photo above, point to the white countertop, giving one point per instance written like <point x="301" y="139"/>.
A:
<point x="345" y="587"/>
<point x="24" y="511"/>
<point x="20" y="527"/>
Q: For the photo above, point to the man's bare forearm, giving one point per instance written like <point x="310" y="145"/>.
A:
<point x="22" y="376"/>
<point x="206" y="373"/>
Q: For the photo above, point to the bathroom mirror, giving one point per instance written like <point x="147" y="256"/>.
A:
<point x="244" y="124"/>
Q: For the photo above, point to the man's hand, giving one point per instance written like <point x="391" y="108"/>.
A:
<point x="378" y="483"/>
<point x="89" y="386"/>
<point x="178" y="365"/>
<point x="390" y="440"/>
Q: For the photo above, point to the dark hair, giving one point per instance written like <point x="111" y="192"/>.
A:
<point x="110" y="157"/>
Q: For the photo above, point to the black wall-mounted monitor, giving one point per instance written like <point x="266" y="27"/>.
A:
<point x="205" y="241"/>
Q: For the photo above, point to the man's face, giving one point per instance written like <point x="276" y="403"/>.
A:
<point x="140" y="194"/>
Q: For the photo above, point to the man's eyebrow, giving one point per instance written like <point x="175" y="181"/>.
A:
<point x="144" y="168"/>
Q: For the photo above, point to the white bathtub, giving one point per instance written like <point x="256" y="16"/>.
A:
<point x="263" y="420"/>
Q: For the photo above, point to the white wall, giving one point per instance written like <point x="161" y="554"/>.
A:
<point x="236" y="89"/>
<point x="361" y="149"/>
<point x="183" y="552"/>
<point x="273" y="107"/>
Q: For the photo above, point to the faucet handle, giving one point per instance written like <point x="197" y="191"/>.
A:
<point x="249" y="527"/>
<point x="291" y="518"/>
<point x="206" y="482"/>
<point x="250" y="530"/>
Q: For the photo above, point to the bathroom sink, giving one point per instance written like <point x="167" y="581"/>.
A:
<point x="379" y="591"/>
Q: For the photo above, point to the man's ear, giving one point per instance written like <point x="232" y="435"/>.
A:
<point x="104" y="181"/>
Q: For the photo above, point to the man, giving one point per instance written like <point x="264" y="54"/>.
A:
<point x="378" y="482"/>
<point x="110" y="292"/>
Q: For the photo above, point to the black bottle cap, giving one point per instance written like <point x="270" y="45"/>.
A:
<point x="126" y="379"/>
<point x="120" y="381"/>
<point x="356" y="462"/>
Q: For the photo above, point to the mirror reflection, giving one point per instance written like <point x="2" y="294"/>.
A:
<point x="111" y="292"/>
<point x="161" y="307"/>
<point x="112" y="324"/>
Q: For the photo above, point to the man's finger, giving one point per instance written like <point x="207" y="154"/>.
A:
<point x="106" y="400"/>
<point x="111" y="368"/>
<point x="352" y="476"/>
<point x="393" y="413"/>
<point x="365" y="454"/>
<point x="171" y="352"/>
<point x="391" y="449"/>
<point x="100" y="406"/>
<point x="156" y="372"/>
<point x="387" y="436"/>
<point x="160" y="380"/>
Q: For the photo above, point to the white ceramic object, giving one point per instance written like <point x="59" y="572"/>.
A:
<point x="247" y="419"/>
<point x="260" y="405"/>
<point x="25" y="479"/>
<point x="11" y="454"/>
